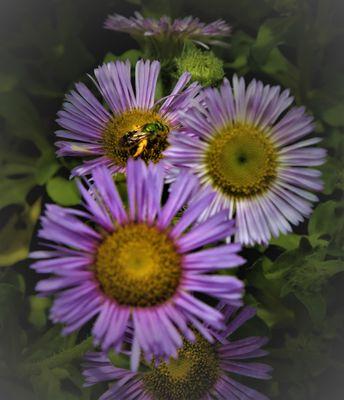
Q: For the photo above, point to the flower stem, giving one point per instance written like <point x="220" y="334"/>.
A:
<point x="57" y="360"/>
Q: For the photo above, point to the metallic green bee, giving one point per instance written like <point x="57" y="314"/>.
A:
<point x="141" y="136"/>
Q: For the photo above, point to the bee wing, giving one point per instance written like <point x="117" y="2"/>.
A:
<point x="139" y="135"/>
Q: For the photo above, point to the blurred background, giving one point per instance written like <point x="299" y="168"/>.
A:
<point x="296" y="283"/>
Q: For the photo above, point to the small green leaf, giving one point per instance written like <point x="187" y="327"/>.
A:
<point x="118" y="360"/>
<point x="38" y="311"/>
<point x="20" y="227"/>
<point x="282" y="264"/>
<point x="46" y="345"/>
<point x="46" y="167"/>
<point x="315" y="304"/>
<point x="14" y="191"/>
<point x="22" y="118"/>
<point x="48" y="384"/>
<point x="332" y="175"/>
<point x="281" y="69"/>
<point x="323" y="219"/>
<point x="334" y="115"/>
<point x="332" y="267"/>
<point x="109" y="57"/>
<point x="316" y="242"/>
<point x="271" y="33"/>
<point x="240" y="51"/>
<point x="288" y="242"/>
<point x="132" y="55"/>
<point x="63" y="191"/>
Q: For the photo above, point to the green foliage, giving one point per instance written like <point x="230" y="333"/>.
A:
<point x="63" y="191"/>
<point x="20" y="226"/>
<point x="119" y="360"/>
<point x="132" y="55"/>
<point x="38" y="311"/>
<point x="271" y="34"/>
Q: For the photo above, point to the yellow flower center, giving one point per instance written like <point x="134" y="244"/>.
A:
<point x="189" y="377"/>
<point x="138" y="266"/>
<point x="136" y="133"/>
<point x="241" y="161"/>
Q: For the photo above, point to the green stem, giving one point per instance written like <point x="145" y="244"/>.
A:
<point x="57" y="360"/>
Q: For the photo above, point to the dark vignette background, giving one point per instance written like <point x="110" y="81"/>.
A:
<point x="297" y="283"/>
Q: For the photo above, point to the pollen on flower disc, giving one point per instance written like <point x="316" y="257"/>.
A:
<point x="189" y="377"/>
<point x="138" y="265"/>
<point x="241" y="161"/>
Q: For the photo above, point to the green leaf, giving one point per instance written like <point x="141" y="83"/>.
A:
<point x="21" y="227"/>
<point x="46" y="167"/>
<point x="334" y="115"/>
<point x="38" y="311"/>
<point x="332" y="267"/>
<point x="271" y="33"/>
<point x="14" y="191"/>
<point x="269" y="306"/>
<point x="316" y="242"/>
<point x="109" y="57"/>
<point x="315" y="304"/>
<point x="63" y="191"/>
<point x="288" y="242"/>
<point x="67" y="354"/>
<point x="241" y="44"/>
<point x="48" y="384"/>
<point x="22" y="119"/>
<point x="332" y="175"/>
<point x="324" y="219"/>
<point x="278" y="67"/>
<point x="282" y="264"/>
<point x="132" y="55"/>
<point x="20" y="172"/>
<point x="159" y="92"/>
<point x="119" y="360"/>
<point x="46" y="345"/>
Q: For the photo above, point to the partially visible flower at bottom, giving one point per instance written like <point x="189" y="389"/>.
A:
<point x="202" y="371"/>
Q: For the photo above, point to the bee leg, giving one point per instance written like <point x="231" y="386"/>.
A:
<point x="140" y="148"/>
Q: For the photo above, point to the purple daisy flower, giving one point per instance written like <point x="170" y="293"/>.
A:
<point x="203" y="370"/>
<point x="245" y="145"/>
<point x="135" y="271"/>
<point x="180" y="29"/>
<point x="131" y="124"/>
